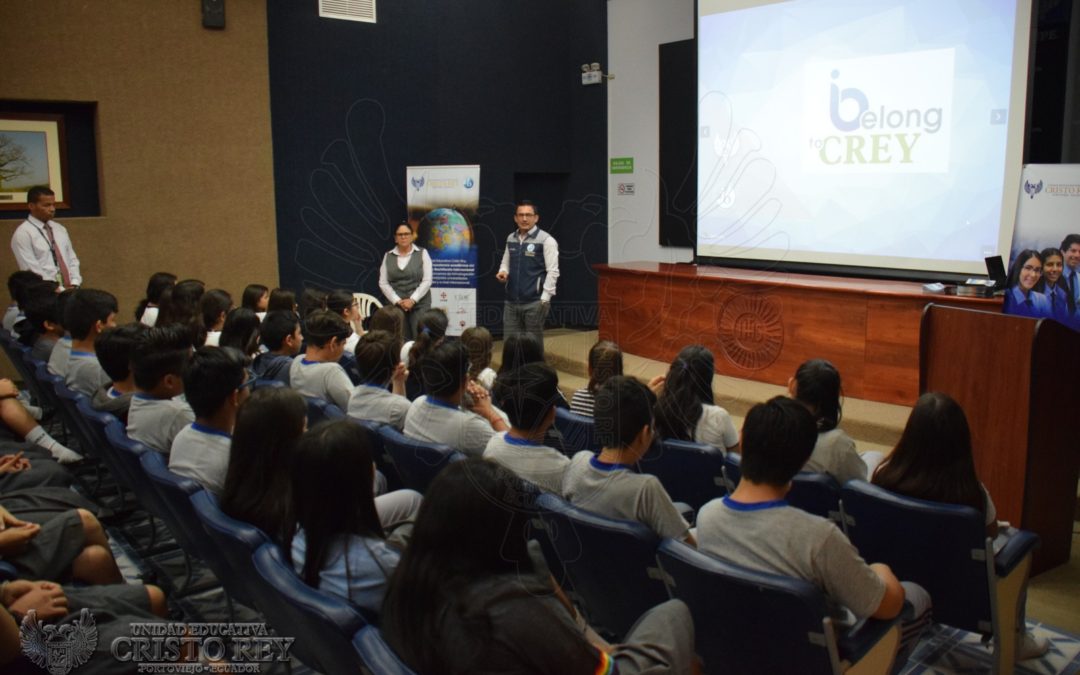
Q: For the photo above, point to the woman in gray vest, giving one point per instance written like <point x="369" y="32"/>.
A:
<point x="405" y="278"/>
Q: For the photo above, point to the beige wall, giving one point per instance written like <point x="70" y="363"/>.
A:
<point x="184" y="146"/>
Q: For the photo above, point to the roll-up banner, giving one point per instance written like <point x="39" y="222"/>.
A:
<point x="1049" y="206"/>
<point x="443" y="202"/>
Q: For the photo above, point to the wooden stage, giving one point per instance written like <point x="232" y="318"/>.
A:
<point x="761" y="325"/>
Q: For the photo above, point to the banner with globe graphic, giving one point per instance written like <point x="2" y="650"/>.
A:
<point x="442" y="203"/>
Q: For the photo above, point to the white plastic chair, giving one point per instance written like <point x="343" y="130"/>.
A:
<point x="366" y="304"/>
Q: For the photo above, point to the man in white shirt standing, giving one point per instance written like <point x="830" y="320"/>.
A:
<point x="42" y="245"/>
<point x="529" y="268"/>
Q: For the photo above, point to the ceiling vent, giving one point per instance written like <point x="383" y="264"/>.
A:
<point x="350" y="10"/>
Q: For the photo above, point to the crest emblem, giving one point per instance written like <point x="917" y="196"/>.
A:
<point x="1032" y="189"/>
<point x="59" y="648"/>
<point x="530" y="248"/>
<point x="418" y="183"/>
<point x="469" y="183"/>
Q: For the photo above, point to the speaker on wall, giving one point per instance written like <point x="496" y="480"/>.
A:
<point x="213" y="14"/>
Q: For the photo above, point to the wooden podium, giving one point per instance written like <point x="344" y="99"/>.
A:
<point x="1018" y="380"/>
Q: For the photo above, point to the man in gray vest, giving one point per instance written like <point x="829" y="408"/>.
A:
<point x="529" y="268"/>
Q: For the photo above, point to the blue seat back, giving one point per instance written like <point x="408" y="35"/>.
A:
<point x="578" y="431"/>
<point x="383" y="461"/>
<point x="127" y="453"/>
<point x="612" y="563"/>
<point x="745" y="621"/>
<point x="236" y="541"/>
<point x="19" y="354"/>
<point x="179" y="515"/>
<point x="732" y="470"/>
<point x="46" y="383"/>
<point x="377" y="655"/>
<point x="417" y="462"/>
<point x="73" y="420"/>
<point x="690" y="472"/>
<point x="941" y="547"/>
<point x="816" y="493"/>
<point x="319" y="410"/>
<point x="322" y="624"/>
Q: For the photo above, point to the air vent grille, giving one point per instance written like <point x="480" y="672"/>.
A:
<point x="350" y="10"/>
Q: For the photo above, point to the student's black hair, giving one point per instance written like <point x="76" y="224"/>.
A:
<point x="86" y="307"/>
<point x="211" y="375"/>
<point x="157" y="284"/>
<point x="527" y="394"/>
<point x="322" y="325"/>
<point x="115" y="348"/>
<point x="241" y="331"/>
<point x="687" y="388"/>
<point x="1040" y="285"/>
<point x="526" y="202"/>
<point x="333" y="498"/>
<point x="443" y="369"/>
<point x="817" y="386"/>
<point x="520" y="349"/>
<point x="213" y="305"/>
<point x="1068" y="241"/>
<point x="283" y="299"/>
<point x="778" y="437"/>
<point x="311" y="300"/>
<point x="258" y="484"/>
<point x="605" y="362"/>
<point x="623" y="406"/>
<point x="180" y="303"/>
<point x="161" y="351"/>
<point x="933" y="458"/>
<point x="431" y="328"/>
<point x="391" y="319"/>
<point x="18" y="281"/>
<point x="477" y="340"/>
<point x="253" y="293"/>
<point x="40" y="305"/>
<point x="444" y="559"/>
<point x="377" y="354"/>
<point x="338" y="301"/>
<point x="37" y="192"/>
<point x="277" y="325"/>
<point x="1018" y="264"/>
<point x="62" y="300"/>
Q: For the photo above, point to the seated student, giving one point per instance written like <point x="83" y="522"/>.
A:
<point x="156" y="415"/>
<point x="933" y="461"/>
<point x="115" y="349"/>
<point x="147" y="311"/>
<point x="479" y="599"/>
<point x="343" y="303"/>
<point x="213" y="306"/>
<point x="754" y="526"/>
<point x="377" y="355"/>
<point x="180" y="305"/>
<point x="280" y="334"/>
<point x="282" y="299"/>
<point x="316" y="372"/>
<point x="215" y="385"/>
<point x="42" y="326"/>
<point x="816" y="385"/>
<point x="18" y="424"/>
<point x="88" y="313"/>
<point x="341" y="544"/>
<point x="70" y="545"/>
<point x="241" y="331"/>
<point x="256" y="297"/>
<point x="528" y="396"/>
<point x="1021" y="298"/>
<point x="438" y="418"/>
<point x="258" y="484"/>
<point x="61" y="353"/>
<point x="605" y="362"/>
<point x="477" y="340"/>
<point x="16" y="282"/>
<point x="604" y="483"/>
<point x="391" y="320"/>
<point x="431" y="329"/>
<point x="685" y="410"/>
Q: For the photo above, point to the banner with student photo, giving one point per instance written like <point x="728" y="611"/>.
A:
<point x="1048" y="207"/>
<point x="442" y="206"/>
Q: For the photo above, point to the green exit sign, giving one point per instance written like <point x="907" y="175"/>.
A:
<point x="622" y="165"/>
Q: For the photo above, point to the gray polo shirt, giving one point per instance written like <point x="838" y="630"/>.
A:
<point x="435" y="421"/>
<point x="320" y="379"/>
<point x="58" y="360"/>
<point x="202" y="454"/>
<point x="155" y="422"/>
<point x="532" y="461"/>
<point x="835" y="454"/>
<point x="613" y="490"/>
<point x="716" y="428"/>
<point x="84" y="374"/>
<point x="376" y="404"/>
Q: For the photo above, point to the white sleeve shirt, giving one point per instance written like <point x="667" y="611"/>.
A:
<point x="30" y="244"/>
<point x="402" y="261"/>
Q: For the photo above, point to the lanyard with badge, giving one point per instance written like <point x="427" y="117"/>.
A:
<point x="52" y="251"/>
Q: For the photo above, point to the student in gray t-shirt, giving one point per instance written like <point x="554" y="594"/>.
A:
<point x="378" y="361"/>
<point x="115" y="349"/>
<point x="438" y="417"/>
<point x="756" y="528"/>
<point x="156" y="413"/>
<point x="604" y="483"/>
<point x="528" y="396"/>
<point x="316" y="372"/>
<point x="216" y="383"/>
<point x="86" y="314"/>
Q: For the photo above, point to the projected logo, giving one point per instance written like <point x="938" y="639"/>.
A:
<point x="879" y="114"/>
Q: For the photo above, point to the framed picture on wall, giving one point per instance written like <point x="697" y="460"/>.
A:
<point x="32" y="152"/>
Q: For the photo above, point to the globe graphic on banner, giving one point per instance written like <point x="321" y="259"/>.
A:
<point x="445" y="233"/>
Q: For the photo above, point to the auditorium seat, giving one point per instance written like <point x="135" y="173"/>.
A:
<point x="417" y="462"/>
<point x="691" y="473"/>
